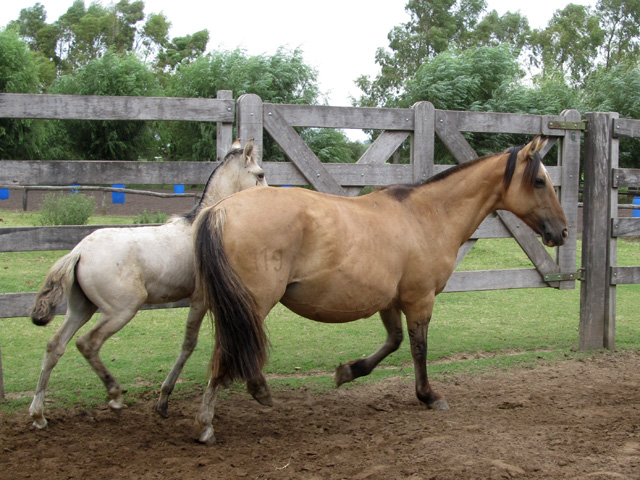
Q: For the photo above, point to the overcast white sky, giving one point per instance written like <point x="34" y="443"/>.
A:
<point x="338" y="37"/>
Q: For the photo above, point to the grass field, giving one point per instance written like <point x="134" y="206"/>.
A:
<point x="470" y="332"/>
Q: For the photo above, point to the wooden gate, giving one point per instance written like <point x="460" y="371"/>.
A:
<point x="603" y="227"/>
<point x="423" y="122"/>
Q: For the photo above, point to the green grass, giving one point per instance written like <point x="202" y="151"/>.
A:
<point x="471" y="333"/>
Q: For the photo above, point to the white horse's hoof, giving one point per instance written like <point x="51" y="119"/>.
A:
<point x="207" y="437"/>
<point x="39" y="422"/>
<point x="116" y="405"/>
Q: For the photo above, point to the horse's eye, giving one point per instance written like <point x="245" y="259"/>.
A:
<point x="540" y="182"/>
<point x="261" y="176"/>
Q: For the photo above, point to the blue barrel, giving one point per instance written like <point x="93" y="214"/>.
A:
<point x="178" y="189"/>
<point x="636" y="201"/>
<point x="75" y="185"/>
<point x="4" y="193"/>
<point x="117" y="197"/>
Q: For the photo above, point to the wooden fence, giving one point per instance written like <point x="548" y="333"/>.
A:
<point x="420" y="124"/>
<point x="602" y="227"/>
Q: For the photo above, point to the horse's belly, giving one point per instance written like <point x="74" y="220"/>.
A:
<point x="333" y="306"/>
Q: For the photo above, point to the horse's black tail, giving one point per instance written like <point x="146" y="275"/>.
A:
<point x="58" y="281"/>
<point x="241" y="345"/>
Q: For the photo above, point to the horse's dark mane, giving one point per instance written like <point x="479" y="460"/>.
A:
<point x="402" y="191"/>
<point x="191" y="215"/>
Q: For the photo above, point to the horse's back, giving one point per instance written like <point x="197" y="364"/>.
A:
<point x="325" y="257"/>
<point x="151" y="264"/>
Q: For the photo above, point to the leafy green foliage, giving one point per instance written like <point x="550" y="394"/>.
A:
<point x="111" y="74"/>
<point x="150" y="217"/>
<point x="66" y="209"/>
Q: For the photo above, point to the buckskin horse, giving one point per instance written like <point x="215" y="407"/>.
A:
<point x="338" y="259"/>
<point x="117" y="270"/>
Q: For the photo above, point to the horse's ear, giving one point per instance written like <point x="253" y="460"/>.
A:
<point x="248" y="151"/>
<point x="237" y="143"/>
<point x="538" y="143"/>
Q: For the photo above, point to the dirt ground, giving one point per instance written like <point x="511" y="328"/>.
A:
<point x="576" y="419"/>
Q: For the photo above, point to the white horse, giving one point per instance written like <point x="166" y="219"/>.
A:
<point x="117" y="270"/>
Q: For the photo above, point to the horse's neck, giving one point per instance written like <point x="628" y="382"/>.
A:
<point x="218" y="187"/>
<point x="465" y="198"/>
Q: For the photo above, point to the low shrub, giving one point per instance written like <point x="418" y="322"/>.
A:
<point x="150" y="217"/>
<point x="66" y="209"/>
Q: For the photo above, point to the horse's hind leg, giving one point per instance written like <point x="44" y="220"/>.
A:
<point x="203" y="429"/>
<point x="392" y="320"/>
<point x="90" y="344"/>
<point x="259" y="390"/>
<point x="197" y="312"/>
<point x="79" y="311"/>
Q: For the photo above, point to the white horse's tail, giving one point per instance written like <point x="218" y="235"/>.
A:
<point x="59" y="280"/>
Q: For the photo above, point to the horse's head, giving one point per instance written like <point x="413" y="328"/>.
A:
<point x="529" y="193"/>
<point x="249" y="172"/>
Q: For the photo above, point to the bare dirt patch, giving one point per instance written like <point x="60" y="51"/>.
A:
<point x="576" y="419"/>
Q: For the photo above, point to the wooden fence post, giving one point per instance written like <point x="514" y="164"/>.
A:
<point x="224" y="131"/>
<point x="569" y="160"/>
<point x="250" y="122"/>
<point x="597" y="295"/>
<point x="422" y="141"/>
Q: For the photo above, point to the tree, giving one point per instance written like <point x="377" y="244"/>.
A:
<point x="280" y="78"/>
<point x="620" y="20"/>
<point x="112" y="74"/>
<point x="569" y="44"/>
<point x="19" y="138"/>
<point x="435" y="27"/>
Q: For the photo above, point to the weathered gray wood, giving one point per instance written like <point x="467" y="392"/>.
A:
<point x="625" y="177"/>
<point x="224" y="130"/>
<point x="625" y="275"/>
<point x="14" y="305"/>
<point x="378" y="153"/>
<point x="569" y="161"/>
<point x="422" y="142"/>
<point x="625" y="227"/>
<point x="35" y="172"/>
<point x="530" y="243"/>
<point x="494" y="280"/>
<point x="28" y="239"/>
<point x="346" y="117"/>
<point x="95" y="107"/>
<point x="349" y="174"/>
<point x="450" y="135"/>
<point x="626" y="127"/>
<point x="250" y="122"/>
<point x="595" y="316"/>
<point x="488" y="122"/>
<point x="298" y="151"/>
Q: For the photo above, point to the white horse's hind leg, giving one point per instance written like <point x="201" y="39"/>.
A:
<point x="79" y="311"/>
<point x="90" y="344"/>
<point x="197" y="312"/>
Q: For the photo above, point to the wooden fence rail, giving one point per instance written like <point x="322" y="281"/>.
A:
<point x="421" y="124"/>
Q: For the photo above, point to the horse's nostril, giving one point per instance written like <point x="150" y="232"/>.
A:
<point x="565" y="233"/>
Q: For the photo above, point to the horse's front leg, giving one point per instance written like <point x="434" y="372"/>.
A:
<point x="203" y="430"/>
<point x="418" y="329"/>
<point x="392" y="320"/>
<point x="197" y="312"/>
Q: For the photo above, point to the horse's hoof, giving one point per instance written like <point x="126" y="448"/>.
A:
<point x="39" y="422"/>
<point x="207" y="437"/>
<point x="116" y="406"/>
<point x="162" y="410"/>
<point x="264" y="399"/>
<point x="440" y="404"/>
<point x="343" y="374"/>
